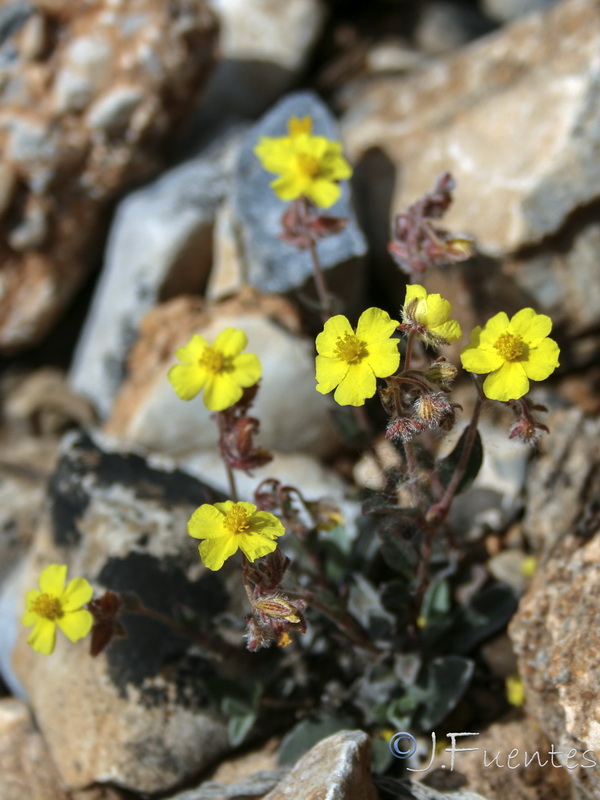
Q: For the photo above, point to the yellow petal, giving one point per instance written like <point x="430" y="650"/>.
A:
<point x="542" y="360"/>
<point x="43" y="637"/>
<point x="287" y="187"/>
<point x="507" y="383"/>
<point x="437" y="311"/>
<point x="324" y="193"/>
<point x="214" y="552"/>
<point x="30" y="617"/>
<point x="330" y="372"/>
<point x="266" y="524"/>
<point x="52" y="579"/>
<point x="493" y="328"/>
<point x="335" y="328"/>
<point x="187" y="380"/>
<point x="375" y="324"/>
<point x="479" y="360"/>
<point x="207" y="521"/>
<point x="274" y="153"/>
<point x="450" y="330"/>
<point x="414" y="291"/>
<point x="247" y="370"/>
<point x="193" y="350"/>
<point x="76" y="624"/>
<point x="221" y="392"/>
<point x="531" y="326"/>
<point x="231" y="342"/>
<point x="358" y="384"/>
<point x="384" y="358"/>
<point x="254" y="546"/>
<point x="78" y="593"/>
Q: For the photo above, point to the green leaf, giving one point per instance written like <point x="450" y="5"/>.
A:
<point x="307" y="733"/>
<point x="446" y="467"/>
<point x="381" y="756"/>
<point x="435" y="612"/>
<point x="484" y="614"/>
<point x="447" y="679"/>
<point x="241" y="718"/>
<point x="400" y="553"/>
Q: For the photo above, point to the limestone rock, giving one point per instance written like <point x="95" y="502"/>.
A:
<point x="506" y="10"/>
<point x="293" y="416"/>
<point x="264" y="46"/>
<point x="445" y="26"/>
<point x="519" y="782"/>
<point x="270" y="264"/>
<point x="337" y="768"/>
<point x="160" y="245"/>
<point x="139" y="714"/>
<point x="556" y="642"/>
<point x="514" y="117"/>
<point x="562" y="486"/>
<point x="554" y="630"/>
<point x="26" y="768"/>
<point x="88" y="94"/>
<point x="562" y="279"/>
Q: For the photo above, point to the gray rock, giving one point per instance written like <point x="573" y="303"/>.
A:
<point x="256" y="785"/>
<point x="507" y="10"/>
<point x="446" y="26"/>
<point x="337" y="768"/>
<point x="272" y="265"/>
<point x="264" y="47"/>
<point x="139" y="714"/>
<point x="159" y="245"/>
<point x="563" y="280"/>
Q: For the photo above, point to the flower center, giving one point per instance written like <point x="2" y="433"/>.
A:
<point x="308" y="165"/>
<point x="47" y="607"/>
<point x="236" y="520"/>
<point x="350" y="348"/>
<point x="510" y="346"/>
<point x="215" y="361"/>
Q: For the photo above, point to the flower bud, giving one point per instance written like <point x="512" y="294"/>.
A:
<point x="435" y="410"/>
<point x="442" y="373"/>
<point x="404" y="429"/>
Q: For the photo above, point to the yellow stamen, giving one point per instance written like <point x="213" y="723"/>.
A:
<point x="47" y="607"/>
<point x="236" y="520"/>
<point x="215" y="361"/>
<point x="510" y="346"/>
<point x="308" y="165"/>
<point x="350" y="348"/>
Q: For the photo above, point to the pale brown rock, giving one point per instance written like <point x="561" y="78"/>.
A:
<point x="513" y="117"/>
<point x="93" y="91"/>
<point x="496" y="781"/>
<point x="555" y="630"/>
<point x="337" y="768"/>
<point x="26" y="768"/>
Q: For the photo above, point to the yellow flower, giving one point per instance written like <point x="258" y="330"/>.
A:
<point x="351" y="361"/>
<point x="515" y="691"/>
<point x="308" y="166"/>
<point x="428" y="315"/>
<point x="221" y="369"/>
<point x="513" y="351"/>
<point x="225" y="527"/>
<point x="56" y="605"/>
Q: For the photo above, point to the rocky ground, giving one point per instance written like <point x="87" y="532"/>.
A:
<point x="133" y="213"/>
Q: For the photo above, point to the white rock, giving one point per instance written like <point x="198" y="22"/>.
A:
<point x="161" y="235"/>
